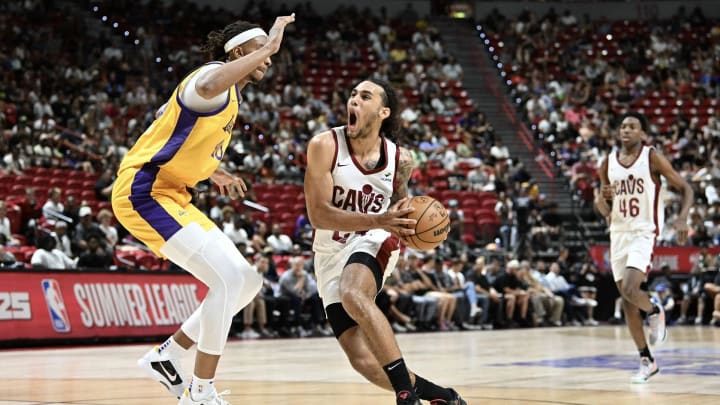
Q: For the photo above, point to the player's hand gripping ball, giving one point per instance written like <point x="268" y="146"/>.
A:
<point x="433" y="223"/>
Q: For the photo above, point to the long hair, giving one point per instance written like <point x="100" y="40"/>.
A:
<point x="214" y="47"/>
<point x="391" y="124"/>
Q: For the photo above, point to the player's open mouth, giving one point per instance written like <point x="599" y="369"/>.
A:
<point x="352" y="120"/>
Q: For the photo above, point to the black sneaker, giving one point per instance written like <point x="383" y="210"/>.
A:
<point x="455" y="401"/>
<point x="407" y="398"/>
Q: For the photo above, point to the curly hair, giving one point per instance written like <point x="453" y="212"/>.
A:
<point x="214" y="47"/>
<point x="640" y="117"/>
<point x="391" y="124"/>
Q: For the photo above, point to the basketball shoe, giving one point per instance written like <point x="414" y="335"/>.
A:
<point x="455" y="401"/>
<point x="407" y="398"/>
<point x="213" y="399"/>
<point x="658" y="331"/>
<point x="647" y="369"/>
<point x="164" y="369"/>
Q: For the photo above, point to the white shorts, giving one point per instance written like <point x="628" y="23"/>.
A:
<point x="329" y="266"/>
<point x="631" y="249"/>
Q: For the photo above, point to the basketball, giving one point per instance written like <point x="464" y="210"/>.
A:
<point x="433" y="223"/>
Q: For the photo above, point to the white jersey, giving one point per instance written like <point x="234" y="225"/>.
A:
<point x="637" y="206"/>
<point x="357" y="189"/>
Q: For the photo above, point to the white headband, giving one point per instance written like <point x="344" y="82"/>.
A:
<point x="243" y="37"/>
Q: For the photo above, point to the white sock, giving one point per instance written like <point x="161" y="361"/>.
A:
<point x="201" y="388"/>
<point x="172" y="347"/>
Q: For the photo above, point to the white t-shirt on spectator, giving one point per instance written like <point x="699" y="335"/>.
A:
<point x="54" y="259"/>
<point x="280" y="243"/>
<point x="500" y="152"/>
<point x="49" y="208"/>
<point x="235" y="235"/>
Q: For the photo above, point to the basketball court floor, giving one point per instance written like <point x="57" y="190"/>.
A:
<point x="527" y="366"/>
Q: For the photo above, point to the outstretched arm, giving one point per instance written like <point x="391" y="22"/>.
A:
<point x="216" y="81"/>
<point x="319" y="187"/>
<point x="661" y="166"/>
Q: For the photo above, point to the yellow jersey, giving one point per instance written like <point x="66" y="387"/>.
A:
<point x="183" y="147"/>
<point x="179" y="149"/>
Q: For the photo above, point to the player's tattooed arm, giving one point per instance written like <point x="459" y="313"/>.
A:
<point x="406" y="164"/>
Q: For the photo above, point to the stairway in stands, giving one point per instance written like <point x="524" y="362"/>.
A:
<point x="487" y="89"/>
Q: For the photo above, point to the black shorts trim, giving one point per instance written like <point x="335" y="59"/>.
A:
<point x="370" y="262"/>
<point x="339" y="319"/>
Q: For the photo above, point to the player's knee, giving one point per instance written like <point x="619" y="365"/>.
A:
<point x="353" y="302"/>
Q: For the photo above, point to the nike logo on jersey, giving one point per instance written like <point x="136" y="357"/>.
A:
<point x="343" y="165"/>
<point x="167" y="370"/>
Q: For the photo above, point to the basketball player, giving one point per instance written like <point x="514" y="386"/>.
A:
<point x="630" y="179"/>
<point x="184" y="145"/>
<point x="355" y="188"/>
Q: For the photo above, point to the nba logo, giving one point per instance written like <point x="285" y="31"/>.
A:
<point x="56" y="306"/>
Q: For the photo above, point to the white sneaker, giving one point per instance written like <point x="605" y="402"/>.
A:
<point x="658" y="331"/>
<point x="213" y="399"/>
<point x="249" y="334"/>
<point x="164" y="369"/>
<point x="647" y="369"/>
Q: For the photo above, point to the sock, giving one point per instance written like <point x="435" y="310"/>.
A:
<point x="172" y="347"/>
<point x="645" y="352"/>
<point x="429" y="391"/>
<point x="201" y="388"/>
<point x="399" y="377"/>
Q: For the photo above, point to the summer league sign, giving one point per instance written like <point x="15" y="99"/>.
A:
<point x="62" y="305"/>
<point x="680" y="258"/>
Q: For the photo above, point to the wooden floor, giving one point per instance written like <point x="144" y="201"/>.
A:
<point x="530" y="366"/>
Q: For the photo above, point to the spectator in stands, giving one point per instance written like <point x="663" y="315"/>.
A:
<point x="303" y="230"/>
<point x="454" y="238"/>
<point x="297" y="285"/>
<point x="274" y="301"/>
<point x="5" y="226"/>
<point x="259" y="238"/>
<point x="547" y="307"/>
<point x="62" y="239"/>
<point x="413" y="281"/>
<point x="7" y="259"/>
<point x="712" y="289"/>
<point x="94" y="255"/>
<point x="85" y="228"/>
<point x="71" y="210"/>
<point x="559" y="286"/>
<point x="235" y="230"/>
<point x="465" y="293"/>
<point x="664" y="296"/>
<point x="280" y="243"/>
<point x="103" y="185"/>
<point x="584" y="277"/>
<point x="30" y="207"/>
<point x="109" y="231"/>
<point x="693" y="292"/>
<point x="256" y="309"/>
<point x="487" y="296"/>
<point x="48" y="257"/>
<point x="514" y="291"/>
<point x="447" y="303"/>
<point x="53" y="205"/>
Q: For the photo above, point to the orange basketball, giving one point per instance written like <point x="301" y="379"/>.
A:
<point x="433" y="223"/>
